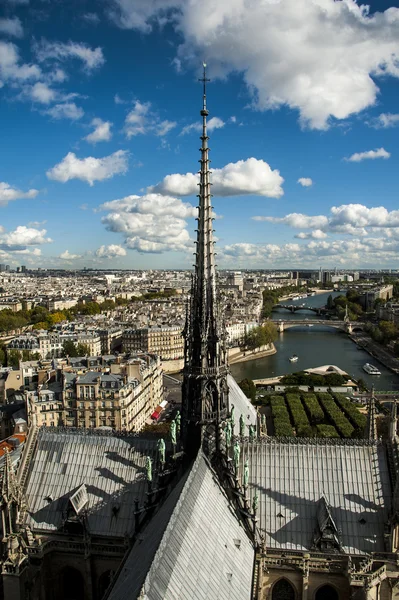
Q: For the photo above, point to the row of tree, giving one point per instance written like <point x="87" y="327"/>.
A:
<point x="261" y="336"/>
<point x="41" y="318"/>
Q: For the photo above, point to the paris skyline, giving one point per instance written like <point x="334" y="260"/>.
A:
<point x="100" y="129"/>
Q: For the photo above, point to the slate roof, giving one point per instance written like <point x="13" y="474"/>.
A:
<point x="290" y="479"/>
<point x="204" y="552"/>
<point x="112" y="468"/>
<point x="242" y="405"/>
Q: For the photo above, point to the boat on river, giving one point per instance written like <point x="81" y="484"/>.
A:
<point x="293" y="358"/>
<point x="371" y="369"/>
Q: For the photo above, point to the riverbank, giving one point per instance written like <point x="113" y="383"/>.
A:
<point x="252" y="355"/>
<point x="377" y="351"/>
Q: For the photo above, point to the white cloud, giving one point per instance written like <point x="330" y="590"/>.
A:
<point x="385" y="120"/>
<point x="41" y="92"/>
<point x="11" y="68"/>
<point x="66" y="110"/>
<point x="305" y="181"/>
<point x="213" y="123"/>
<point x="91" y="58"/>
<point x="141" y="120"/>
<point x="8" y="193"/>
<point x="68" y="256"/>
<point x="11" y="27"/>
<point x="101" y="133"/>
<point x="372" y="252"/>
<point x="347" y="219"/>
<point x="319" y="57"/>
<point x="23" y="236"/>
<point x="317" y="234"/>
<point x="369" y="155"/>
<point x="89" y="169"/>
<point x="91" y="18"/>
<point x="251" y="176"/>
<point x="111" y="251"/>
<point x="130" y="14"/>
<point x="150" y="223"/>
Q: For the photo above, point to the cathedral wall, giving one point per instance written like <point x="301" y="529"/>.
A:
<point x="92" y="574"/>
<point x="305" y="590"/>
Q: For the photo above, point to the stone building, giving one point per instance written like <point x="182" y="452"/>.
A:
<point x="218" y="511"/>
<point x="165" y="341"/>
<point x="121" y="396"/>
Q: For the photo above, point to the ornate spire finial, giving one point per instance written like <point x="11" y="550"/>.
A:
<point x="204" y="80"/>
<point x="371" y="420"/>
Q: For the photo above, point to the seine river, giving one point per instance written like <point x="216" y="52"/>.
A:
<point x="315" y="346"/>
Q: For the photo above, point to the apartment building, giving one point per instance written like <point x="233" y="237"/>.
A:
<point x="122" y="396"/>
<point x="167" y="342"/>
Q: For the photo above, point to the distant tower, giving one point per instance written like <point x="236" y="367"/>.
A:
<point x="205" y="390"/>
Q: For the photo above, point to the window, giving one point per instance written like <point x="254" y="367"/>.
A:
<point x="283" y="590"/>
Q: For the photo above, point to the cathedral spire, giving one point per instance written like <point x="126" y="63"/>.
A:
<point x="204" y="386"/>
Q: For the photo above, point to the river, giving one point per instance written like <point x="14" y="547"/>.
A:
<point x="315" y="346"/>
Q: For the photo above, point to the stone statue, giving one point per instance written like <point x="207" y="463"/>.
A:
<point x="251" y="433"/>
<point x="264" y="422"/>
<point x="178" y="421"/>
<point x="228" y="434"/>
<point x="242" y="426"/>
<point x="236" y="455"/>
<point x="161" y="450"/>
<point x="173" y="432"/>
<point x="255" y="503"/>
<point x="148" y="466"/>
<point x="245" y="478"/>
<point x="232" y="415"/>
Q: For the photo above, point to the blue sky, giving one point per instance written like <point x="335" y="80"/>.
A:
<point x="99" y="132"/>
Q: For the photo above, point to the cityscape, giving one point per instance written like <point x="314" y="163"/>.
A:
<point x="199" y="367"/>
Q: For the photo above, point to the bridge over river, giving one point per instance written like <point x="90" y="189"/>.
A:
<point x="346" y="326"/>
<point x="319" y="310"/>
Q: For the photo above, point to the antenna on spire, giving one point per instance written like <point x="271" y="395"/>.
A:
<point x="204" y="80"/>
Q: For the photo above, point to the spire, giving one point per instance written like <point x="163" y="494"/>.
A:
<point x="371" y="418"/>
<point x="205" y="371"/>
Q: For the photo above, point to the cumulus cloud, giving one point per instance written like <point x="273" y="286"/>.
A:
<point x="385" y="120"/>
<point x="150" y="223"/>
<point x="320" y="57"/>
<point x="89" y="169"/>
<point x="369" y="155"/>
<point x="11" y="68"/>
<point x="111" y="251"/>
<point x="11" y="27"/>
<point x="213" y="123"/>
<point x="8" y="193"/>
<point x="91" y="58"/>
<point x="101" y="133"/>
<point x="142" y="120"/>
<point x="370" y="252"/>
<point x="317" y="234"/>
<point x="251" y="176"/>
<point x="68" y="256"/>
<point x="66" y="110"/>
<point x="22" y="237"/>
<point x="305" y="181"/>
<point x="349" y="219"/>
<point x="40" y="92"/>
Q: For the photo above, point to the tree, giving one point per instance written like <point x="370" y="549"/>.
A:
<point x="69" y="349"/>
<point x="82" y="350"/>
<point x="56" y="317"/>
<point x="270" y="332"/>
<point x="249" y="388"/>
<point x="330" y="302"/>
<point x="13" y="357"/>
<point x="3" y="357"/>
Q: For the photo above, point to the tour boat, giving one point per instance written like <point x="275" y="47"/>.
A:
<point x="371" y="369"/>
<point x="293" y="358"/>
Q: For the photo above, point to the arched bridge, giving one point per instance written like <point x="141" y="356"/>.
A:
<point x="346" y="326"/>
<point x="319" y="310"/>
